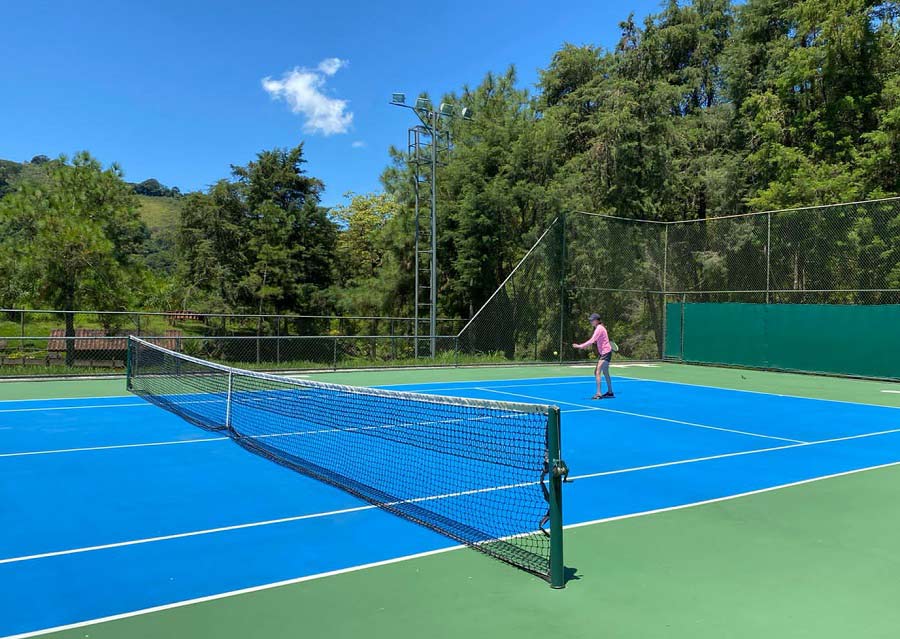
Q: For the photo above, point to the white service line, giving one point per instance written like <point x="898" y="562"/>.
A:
<point x="896" y="392"/>
<point x="652" y="417"/>
<point x="584" y="381"/>
<point x="386" y="562"/>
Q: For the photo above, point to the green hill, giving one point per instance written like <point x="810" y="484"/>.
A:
<point x="159" y="213"/>
<point x="11" y="173"/>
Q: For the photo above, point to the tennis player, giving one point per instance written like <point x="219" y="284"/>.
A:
<point x="604" y="348"/>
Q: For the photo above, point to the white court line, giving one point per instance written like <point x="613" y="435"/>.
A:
<point x="320" y="431"/>
<point x="653" y="417"/>
<point x="473" y="491"/>
<point x="897" y="392"/>
<point x="737" y="454"/>
<point x="55" y="408"/>
<point x="753" y="392"/>
<point x="404" y="558"/>
<point x="232" y="593"/>
<point x="29" y="453"/>
<point x="62" y="399"/>
<point x="583" y="380"/>
<point x="126" y="405"/>
<point x="256" y="524"/>
<point x="183" y="535"/>
<point x="384" y="386"/>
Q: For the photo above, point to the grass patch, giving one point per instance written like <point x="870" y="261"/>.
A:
<point x="159" y="213"/>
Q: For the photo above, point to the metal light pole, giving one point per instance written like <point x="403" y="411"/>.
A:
<point x="433" y="135"/>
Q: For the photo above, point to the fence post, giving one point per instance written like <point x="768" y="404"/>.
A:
<point x="456" y="351"/>
<point x="393" y="343"/>
<point x="334" y="362"/>
<point x="768" y="254"/>
<point x="562" y="289"/>
<point x="258" y="332"/>
<point x="22" y="320"/>
<point x="278" y="340"/>
<point x="665" y="296"/>
<point x="681" y="344"/>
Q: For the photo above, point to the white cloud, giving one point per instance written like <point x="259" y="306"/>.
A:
<point x="303" y="89"/>
<point x="358" y="144"/>
<point x="330" y="66"/>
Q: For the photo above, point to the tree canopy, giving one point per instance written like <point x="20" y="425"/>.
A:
<point x="707" y="108"/>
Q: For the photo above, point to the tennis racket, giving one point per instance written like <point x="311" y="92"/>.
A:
<point x="614" y="346"/>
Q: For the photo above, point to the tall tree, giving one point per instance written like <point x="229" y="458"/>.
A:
<point x="73" y="239"/>
<point x="261" y="242"/>
<point x="366" y="271"/>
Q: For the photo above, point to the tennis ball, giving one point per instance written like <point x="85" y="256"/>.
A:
<point x="555" y="353"/>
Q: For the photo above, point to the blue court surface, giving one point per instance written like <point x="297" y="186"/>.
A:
<point x="112" y="505"/>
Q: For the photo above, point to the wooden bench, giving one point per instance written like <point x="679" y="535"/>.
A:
<point x="183" y="316"/>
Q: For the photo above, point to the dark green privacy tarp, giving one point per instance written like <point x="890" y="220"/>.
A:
<point x="826" y="338"/>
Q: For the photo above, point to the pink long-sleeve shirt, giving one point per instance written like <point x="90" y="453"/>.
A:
<point x="600" y="338"/>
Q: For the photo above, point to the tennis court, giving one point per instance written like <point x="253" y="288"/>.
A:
<point x="695" y="510"/>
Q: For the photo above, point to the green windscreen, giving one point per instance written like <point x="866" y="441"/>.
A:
<point x="825" y="338"/>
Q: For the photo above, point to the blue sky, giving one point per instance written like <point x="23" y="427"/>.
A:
<point x="178" y="90"/>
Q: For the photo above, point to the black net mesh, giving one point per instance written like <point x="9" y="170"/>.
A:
<point x="632" y="271"/>
<point x="472" y="470"/>
<point x="521" y="322"/>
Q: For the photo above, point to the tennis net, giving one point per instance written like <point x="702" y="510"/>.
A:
<point x="486" y="474"/>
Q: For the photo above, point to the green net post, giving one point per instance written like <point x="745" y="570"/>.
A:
<point x="228" y="403"/>
<point x="558" y="471"/>
<point x="128" y="364"/>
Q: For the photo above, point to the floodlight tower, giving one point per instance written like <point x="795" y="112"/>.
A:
<point x="428" y="144"/>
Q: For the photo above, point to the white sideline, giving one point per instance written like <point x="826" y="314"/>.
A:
<point x="652" y="417"/>
<point x="60" y="399"/>
<point x="255" y="524"/>
<point x="386" y="562"/>
<point x="175" y="442"/>
<point x="55" y="408"/>
<point x="753" y="392"/>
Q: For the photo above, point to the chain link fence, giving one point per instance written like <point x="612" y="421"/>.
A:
<point x="37" y="342"/>
<point x="15" y="322"/>
<point x="632" y="272"/>
<point x="635" y="273"/>
<point x="60" y="356"/>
